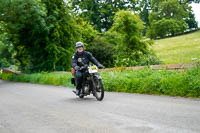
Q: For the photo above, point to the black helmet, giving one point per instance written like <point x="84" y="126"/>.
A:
<point x="79" y="44"/>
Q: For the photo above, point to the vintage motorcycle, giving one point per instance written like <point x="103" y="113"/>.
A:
<point x="92" y="82"/>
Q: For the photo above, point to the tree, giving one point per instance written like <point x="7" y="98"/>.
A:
<point x="100" y="13"/>
<point x="192" y="23"/>
<point x="86" y="31"/>
<point x="129" y="26"/>
<point x="167" y="18"/>
<point x="6" y="47"/>
<point x="42" y="32"/>
<point x="190" y="20"/>
<point x="195" y="1"/>
<point x="62" y="35"/>
<point x="103" y="51"/>
<point x="144" y="10"/>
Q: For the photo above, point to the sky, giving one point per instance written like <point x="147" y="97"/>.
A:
<point x="196" y="9"/>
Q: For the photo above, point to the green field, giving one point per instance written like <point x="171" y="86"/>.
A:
<point x="180" y="49"/>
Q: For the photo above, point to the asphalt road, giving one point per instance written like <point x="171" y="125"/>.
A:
<point x="31" y="108"/>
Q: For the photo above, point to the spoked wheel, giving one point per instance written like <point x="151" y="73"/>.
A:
<point x="99" y="89"/>
<point x="81" y="96"/>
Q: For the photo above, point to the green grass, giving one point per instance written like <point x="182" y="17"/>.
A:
<point x="145" y="81"/>
<point x="178" y="50"/>
<point x="58" y="79"/>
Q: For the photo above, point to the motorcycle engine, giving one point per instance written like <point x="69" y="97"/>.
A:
<point x="86" y="88"/>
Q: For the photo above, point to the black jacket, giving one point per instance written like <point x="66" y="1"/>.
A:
<point x="82" y="59"/>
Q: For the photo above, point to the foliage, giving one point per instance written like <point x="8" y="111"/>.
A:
<point x="190" y="19"/>
<point x="40" y="78"/>
<point x="192" y="23"/>
<point x="145" y="81"/>
<point x="40" y="34"/>
<point x="165" y="27"/>
<point x="144" y="10"/>
<point x="86" y="31"/>
<point x="195" y="1"/>
<point x="167" y="18"/>
<point x="155" y="82"/>
<point x="43" y="33"/>
<point x="103" y="51"/>
<point x="149" y="58"/>
<point x="100" y="13"/>
<point x="129" y="27"/>
<point x="6" y="48"/>
<point x="62" y="35"/>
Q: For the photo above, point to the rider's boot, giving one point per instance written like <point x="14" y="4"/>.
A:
<point x="77" y="92"/>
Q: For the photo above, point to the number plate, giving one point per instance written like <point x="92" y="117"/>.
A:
<point x="93" y="69"/>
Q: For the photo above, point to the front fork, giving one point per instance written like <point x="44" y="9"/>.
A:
<point x="93" y="85"/>
<point x="93" y="82"/>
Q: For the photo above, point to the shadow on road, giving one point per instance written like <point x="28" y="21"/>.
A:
<point x="78" y="100"/>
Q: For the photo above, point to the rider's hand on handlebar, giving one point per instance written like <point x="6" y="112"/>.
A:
<point x="84" y="67"/>
<point x="100" y="66"/>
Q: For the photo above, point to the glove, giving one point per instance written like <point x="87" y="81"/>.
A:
<point x="84" y="67"/>
<point x="100" y="66"/>
<point x="77" y="68"/>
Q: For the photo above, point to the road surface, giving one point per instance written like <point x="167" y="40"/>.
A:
<point x="31" y="108"/>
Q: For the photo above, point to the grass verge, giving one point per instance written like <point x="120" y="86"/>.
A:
<point x="57" y="79"/>
<point x="144" y="81"/>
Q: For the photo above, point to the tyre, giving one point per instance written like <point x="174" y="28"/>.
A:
<point x="98" y="89"/>
<point x="81" y="96"/>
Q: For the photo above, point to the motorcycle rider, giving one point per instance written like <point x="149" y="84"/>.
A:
<point x="80" y="59"/>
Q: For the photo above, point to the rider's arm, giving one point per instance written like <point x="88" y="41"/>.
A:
<point x="74" y="61"/>
<point x="92" y="59"/>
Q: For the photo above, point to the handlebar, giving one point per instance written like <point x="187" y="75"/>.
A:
<point x="84" y="67"/>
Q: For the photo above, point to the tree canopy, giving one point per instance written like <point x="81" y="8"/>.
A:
<point x="167" y="18"/>
<point x="129" y="26"/>
<point x="100" y="13"/>
<point x="39" y="35"/>
<point x="43" y="33"/>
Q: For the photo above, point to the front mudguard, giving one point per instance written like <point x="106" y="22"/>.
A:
<point x="98" y="76"/>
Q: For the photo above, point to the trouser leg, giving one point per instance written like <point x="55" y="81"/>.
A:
<point x="79" y="77"/>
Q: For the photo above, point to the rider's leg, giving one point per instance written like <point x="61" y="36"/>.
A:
<point x="78" y="80"/>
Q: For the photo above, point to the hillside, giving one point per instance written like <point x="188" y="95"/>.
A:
<point x="180" y="49"/>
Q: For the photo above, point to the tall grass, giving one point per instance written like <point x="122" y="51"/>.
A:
<point x="145" y="81"/>
<point x="57" y="79"/>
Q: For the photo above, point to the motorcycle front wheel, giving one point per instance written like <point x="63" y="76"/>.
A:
<point x="98" y="89"/>
<point x="81" y="96"/>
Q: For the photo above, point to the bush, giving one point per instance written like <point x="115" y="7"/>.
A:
<point x="102" y="51"/>
<point x="147" y="81"/>
<point x="166" y="27"/>
<point x="137" y="59"/>
<point x="131" y="48"/>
